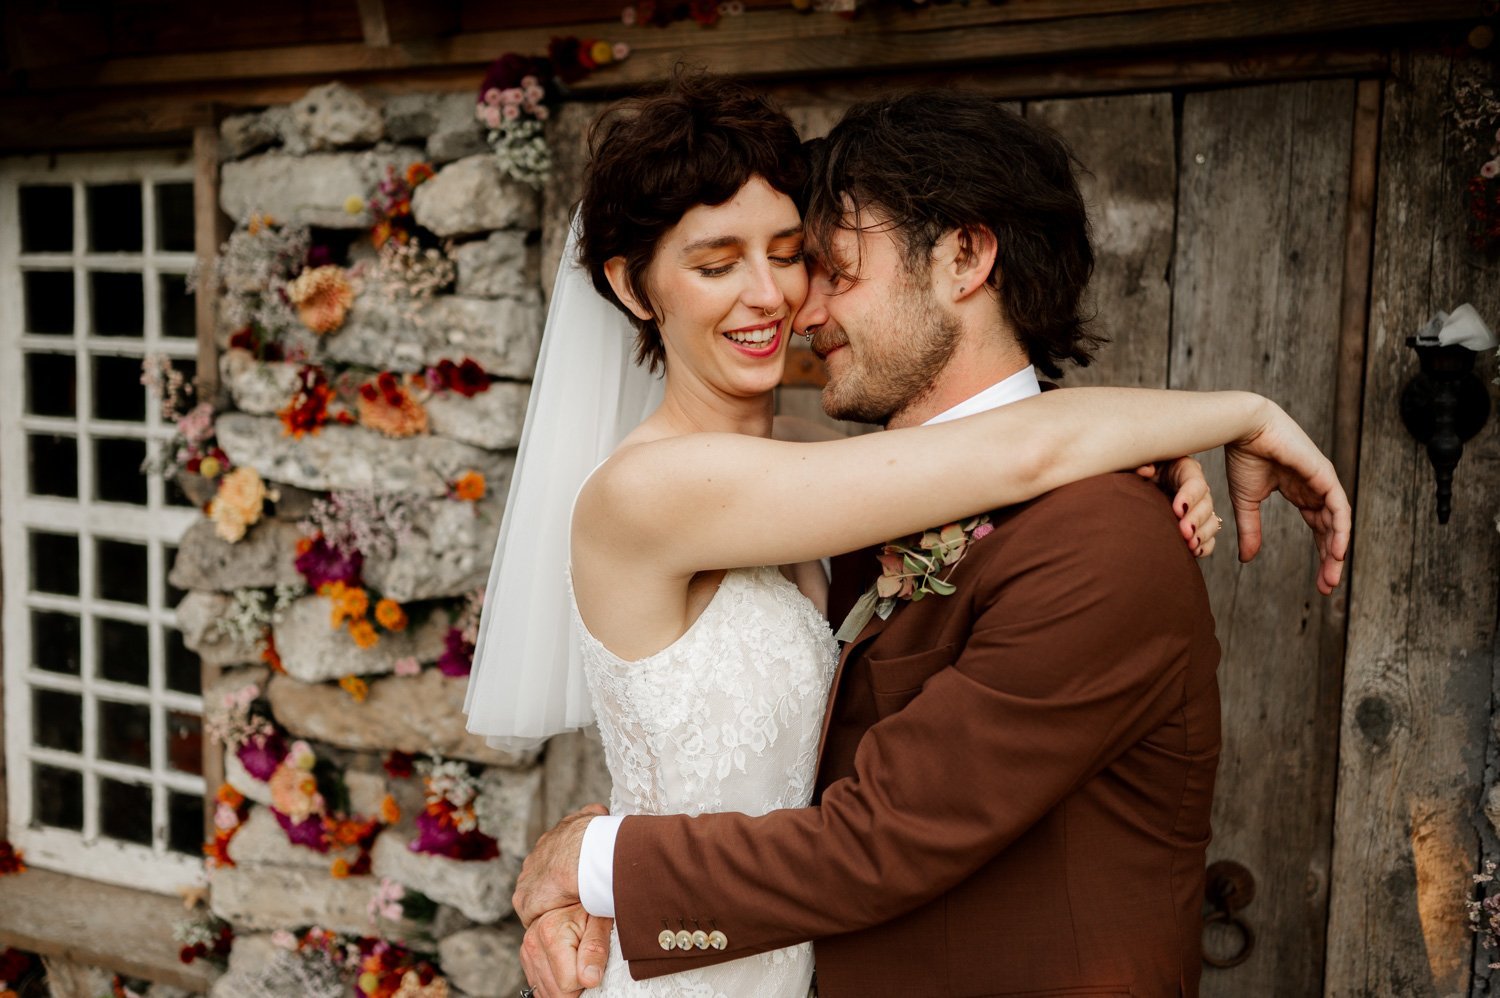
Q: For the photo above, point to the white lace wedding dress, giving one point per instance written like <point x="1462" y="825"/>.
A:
<point x="726" y="718"/>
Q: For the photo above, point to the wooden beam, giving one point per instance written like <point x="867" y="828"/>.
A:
<point x="64" y="121"/>
<point x="942" y="36"/>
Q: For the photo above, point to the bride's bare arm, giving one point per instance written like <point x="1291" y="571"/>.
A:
<point x="714" y="500"/>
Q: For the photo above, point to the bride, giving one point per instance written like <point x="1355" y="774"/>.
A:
<point x="673" y="593"/>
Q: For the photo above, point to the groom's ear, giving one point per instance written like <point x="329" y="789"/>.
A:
<point x="619" y="279"/>
<point x="966" y="258"/>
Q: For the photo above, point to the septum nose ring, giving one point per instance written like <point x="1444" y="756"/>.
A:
<point x="770" y="311"/>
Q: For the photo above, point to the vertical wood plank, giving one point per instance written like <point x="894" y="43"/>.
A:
<point x="1127" y="148"/>
<point x="1417" y="697"/>
<point x="210" y="229"/>
<point x="1258" y="268"/>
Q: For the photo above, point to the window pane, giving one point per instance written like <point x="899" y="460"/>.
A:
<point x="184" y="672"/>
<point x="54" y="563"/>
<point x="46" y="219"/>
<point x="125" y="733"/>
<point x="185" y="742"/>
<point x="174" y="217"/>
<point x="118" y="392"/>
<point x="117" y="471"/>
<point x="117" y="303"/>
<point x="51" y="384"/>
<point x="49" y="301"/>
<point x="57" y="796"/>
<point x="57" y="720"/>
<point x="55" y="642"/>
<point x="178" y="317"/>
<point x="125" y="811"/>
<point x="124" y="652"/>
<point x="121" y="567"/>
<point x="114" y="212"/>
<point x="185" y="823"/>
<point x="52" y="462"/>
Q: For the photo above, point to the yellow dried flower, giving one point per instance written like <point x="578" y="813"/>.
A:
<point x="354" y="204"/>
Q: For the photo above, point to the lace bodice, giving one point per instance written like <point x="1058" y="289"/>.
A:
<point x="726" y="718"/>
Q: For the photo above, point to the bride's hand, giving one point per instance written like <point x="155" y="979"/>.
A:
<point x="1279" y="457"/>
<point x="1193" y="501"/>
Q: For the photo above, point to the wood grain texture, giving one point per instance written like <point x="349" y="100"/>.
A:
<point x="1421" y="645"/>
<point x="1128" y="151"/>
<point x="941" y="36"/>
<point x="1257" y="273"/>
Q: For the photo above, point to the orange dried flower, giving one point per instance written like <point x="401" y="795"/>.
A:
<point x="238" y="504"/>
<point x="390" y="811"/>
<point x="304" y="545"/>
<point x="340" y="869"/>
<point x="217" y="851"/>
<point x="416" y="173"/>
<point x="363" y="633"/>
<point x="394" y="413"/>
<point x="357" y="688"/>
<point x="470" y="486"/>
<point x="322" y="296"/>
<point x="270" y="655"/>
<point x="388" y="614"/>
<point x="226" y="794"/>
<point x="349" y="603"/>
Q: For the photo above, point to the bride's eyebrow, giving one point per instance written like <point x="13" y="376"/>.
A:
<point x="721" y="242"/>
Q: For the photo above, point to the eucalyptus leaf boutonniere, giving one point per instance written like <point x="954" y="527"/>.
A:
<point x="914" y="567"/>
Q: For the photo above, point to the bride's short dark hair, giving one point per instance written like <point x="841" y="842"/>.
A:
<point x="697" y="140"/>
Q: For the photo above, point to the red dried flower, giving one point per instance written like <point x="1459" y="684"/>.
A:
<point x="398" y="764"/>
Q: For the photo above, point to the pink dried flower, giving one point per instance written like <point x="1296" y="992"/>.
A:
<point x="511" y="112"/>
<point x="407" y="666"/>
<point x="492" y="96"/>
<point x="621" y="51"/>
<point x="1490" y="169"/>
<point x="627" y="17"/>
<point x="983" y="530"/>
<point x="512" y="95"/>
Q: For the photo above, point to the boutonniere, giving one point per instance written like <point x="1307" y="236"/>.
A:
<point x="912" y="568"/>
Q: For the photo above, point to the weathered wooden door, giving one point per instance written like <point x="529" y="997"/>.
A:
<point x="1220" y="221"/>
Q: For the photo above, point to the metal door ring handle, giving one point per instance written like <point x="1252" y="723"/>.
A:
<point x="1247" y="940"/>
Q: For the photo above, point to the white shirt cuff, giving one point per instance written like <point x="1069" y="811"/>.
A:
<point x="596" y="865"/>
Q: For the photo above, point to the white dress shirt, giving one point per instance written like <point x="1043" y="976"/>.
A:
<point x="596" y="858"/>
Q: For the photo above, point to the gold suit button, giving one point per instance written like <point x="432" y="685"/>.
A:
<point x="700" y="939"/>
<point x="684" y="939"/>
<point x="667" y="940"/>
<point x="717" y="939"/>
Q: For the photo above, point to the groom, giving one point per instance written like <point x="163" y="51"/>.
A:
<point x="1014" y="781"/>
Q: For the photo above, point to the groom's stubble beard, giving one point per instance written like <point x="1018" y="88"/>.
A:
<point x="894" y="367"/>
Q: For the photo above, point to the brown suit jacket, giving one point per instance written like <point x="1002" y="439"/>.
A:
<point x="1014" y="783"/>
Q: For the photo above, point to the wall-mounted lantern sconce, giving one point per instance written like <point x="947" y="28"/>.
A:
<point x="1447" y="404"/>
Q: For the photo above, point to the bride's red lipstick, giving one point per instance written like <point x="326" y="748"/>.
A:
<point x="757" y="350"/>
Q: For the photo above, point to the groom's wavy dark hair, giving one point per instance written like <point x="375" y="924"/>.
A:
<point x="697" y="140"/>
<point x="929" y="162"/>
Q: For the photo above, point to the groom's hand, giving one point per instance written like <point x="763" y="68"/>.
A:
<point x="564" y="951"/>
<point x="549" y="877"/>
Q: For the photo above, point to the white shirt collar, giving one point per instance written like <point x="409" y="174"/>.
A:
<point x="1021" y="385"/>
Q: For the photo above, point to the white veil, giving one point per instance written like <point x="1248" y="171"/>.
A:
<point x="527" y="683"/>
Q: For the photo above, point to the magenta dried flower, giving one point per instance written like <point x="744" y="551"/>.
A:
<point x="458" y="654"/>
<point x="260" y="754"/>
<point x="308" y="832"/>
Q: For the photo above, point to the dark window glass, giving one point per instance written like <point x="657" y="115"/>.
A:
<point x="178" y="315"/>
<point x="55" y="642"/>
<point x="52" y="462"/>
<point x="125" y="733"/>
<point x="114" y="212"/>
<point x="183" y="668"/>
<point x="121" y="570"/>
<point x="49" y="301"/>
<point x="57" y="796"/>
<point x="185" y="742"/>
<point x="51" y="384"/>
<point x="117" y="471"/>
<point x="170" y="595"/>
<point x="54" y="563"/>
<point x="124" y="651"/>
<point x="46" y="219"/>
<point x="174" y="217"/>
<point x="118" y="392"/>
<point x="57" y="720"/>
<point x="185" y="823"/>
<point x="117" y="303"/>
<point x="125" y="811"/>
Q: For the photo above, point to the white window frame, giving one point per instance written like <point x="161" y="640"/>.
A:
<point x="88" y="854"/>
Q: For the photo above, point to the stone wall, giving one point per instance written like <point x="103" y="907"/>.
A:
<point x="350" y="706"/>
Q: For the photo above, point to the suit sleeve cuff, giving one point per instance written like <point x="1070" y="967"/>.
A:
<point x="596" y="866"/>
